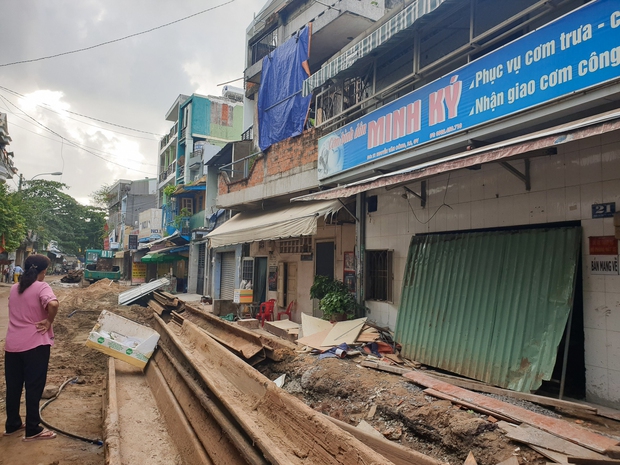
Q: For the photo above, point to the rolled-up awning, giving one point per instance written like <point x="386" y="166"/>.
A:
<point x="289" y="221"/>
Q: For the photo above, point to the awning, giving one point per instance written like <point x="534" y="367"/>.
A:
<point x="156" y="257"/>
<point x="289" y="221"/>
<point x="569" y="132"/>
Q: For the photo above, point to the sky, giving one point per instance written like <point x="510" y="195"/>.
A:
<point x="131" y="83"/>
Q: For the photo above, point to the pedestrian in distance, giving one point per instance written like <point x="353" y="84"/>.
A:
<point x="17" y="273"/>
<point x="5" y="274"/>
<point x="11" y="268"/>
<point x="32" y="309"/>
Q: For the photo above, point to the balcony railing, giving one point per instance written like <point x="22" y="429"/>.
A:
<point x="264" y="46"/>
<point x="240" y="169"/>
<point x="197" y="220"/>
<point x="168" y="137"/>
<point x="183" y="132"/>
<point x="171" y="169"/>
<point x="248" y="134"/>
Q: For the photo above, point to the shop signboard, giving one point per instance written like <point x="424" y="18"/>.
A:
<point x="603" y="251"/>
<point x="138" y="273"/>
<point x="575" y="52"/>
<point x="133" y="242"/>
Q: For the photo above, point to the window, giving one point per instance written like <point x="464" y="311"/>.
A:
<point x="379" y="275"/>
<point x="189" y="204"/>
<point x="247" y="270"/>
<point x="300" y="245"/>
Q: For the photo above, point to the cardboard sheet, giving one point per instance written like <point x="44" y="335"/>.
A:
<point x="344" y="331"/>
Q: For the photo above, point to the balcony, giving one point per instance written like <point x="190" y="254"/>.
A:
<point x="197" y="221"/>
<point x="248" y="134"/>
<point x="264" y="46"/>
<point x="163" y="176"/>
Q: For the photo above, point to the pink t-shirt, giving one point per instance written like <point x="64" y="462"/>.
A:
<point x="25" y="311"/>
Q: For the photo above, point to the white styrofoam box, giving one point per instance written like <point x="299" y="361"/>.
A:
<point x="124" y="339"/>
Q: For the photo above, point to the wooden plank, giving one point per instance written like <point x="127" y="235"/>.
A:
<point x="344" y="331"/>
<point x="394" y="358"/>
<point x="156" y="306"/>
<point x="587" y="461"/>
<point x="285" y="329"/>
<point x="476" y="408"/>
<point x="533" y="436"/>
<point x="557" y="457"/>
<point x="470" y="460"/>
<point x="385" y="367"/>
<point x="394" y="452"/>
<point x="542" y="400"/>
<point x="555" y="426"/>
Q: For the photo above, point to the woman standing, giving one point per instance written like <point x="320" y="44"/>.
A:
<point x="32" y="309"/>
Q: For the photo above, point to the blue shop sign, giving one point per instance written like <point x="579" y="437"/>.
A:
<point x="577" y="51"/>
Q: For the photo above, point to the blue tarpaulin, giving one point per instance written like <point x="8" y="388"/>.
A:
<point x="282" y="110"/>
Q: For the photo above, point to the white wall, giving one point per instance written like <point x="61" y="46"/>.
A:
<point x="564" y="186"/>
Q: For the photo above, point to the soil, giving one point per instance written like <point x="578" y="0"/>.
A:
<point x="341" y="388"/>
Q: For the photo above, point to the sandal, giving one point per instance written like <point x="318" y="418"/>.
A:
<point x="45" y="434"/>
<point x="23" y="426"/>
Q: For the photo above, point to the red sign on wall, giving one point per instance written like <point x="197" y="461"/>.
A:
<point x="603" y="245"/>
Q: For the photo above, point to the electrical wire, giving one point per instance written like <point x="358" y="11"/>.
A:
<point x="116" y="40"/>
<point x="45" y="105"/>
<point x="97" y="442"/>
<point x="71" y="142"/>
<point x="443" y="204"/>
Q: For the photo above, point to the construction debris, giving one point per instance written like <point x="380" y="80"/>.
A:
<point x="73" y="276"/>
<point x="555" y="426"/>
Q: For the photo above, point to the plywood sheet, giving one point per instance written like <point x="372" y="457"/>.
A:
<point x="314" y="340"/>
<point x="344" y="331"/>
<point x="311" y="325"/>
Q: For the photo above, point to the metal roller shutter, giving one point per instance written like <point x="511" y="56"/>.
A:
<point x="227" y="283"/>
<point x="200" y="286"/>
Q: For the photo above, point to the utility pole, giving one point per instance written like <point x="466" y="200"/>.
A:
<point x="21" y="181"/>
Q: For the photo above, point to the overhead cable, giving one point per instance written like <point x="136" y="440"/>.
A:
<point x="70" y="142"/>
<point x="117" y="40"/>
<point x="45" y="105"/>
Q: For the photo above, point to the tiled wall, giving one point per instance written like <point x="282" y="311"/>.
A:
<point x="564" y="186"/>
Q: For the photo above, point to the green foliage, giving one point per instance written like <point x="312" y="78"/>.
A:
<point x="178" y="220"/>
<point x="169" y="190"/>
<point x="12" y="223"/>
<point x="335" y="298"/>
<point x="101" y="196"/>
<point x="55" y="215"/>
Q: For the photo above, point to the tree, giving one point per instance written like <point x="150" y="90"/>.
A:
<point x="55" y="215"/>
<point x="12" y="223"/>
<point x="101" y="196"/>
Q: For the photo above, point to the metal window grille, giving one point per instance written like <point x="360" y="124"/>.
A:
<point x="299" y="245"/>
<point x="264" y="45"/>
<point x="247" y="269"/>
<point x="379" y="275"/>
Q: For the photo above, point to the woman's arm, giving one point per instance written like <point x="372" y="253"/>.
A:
<point x="52" y="310"/>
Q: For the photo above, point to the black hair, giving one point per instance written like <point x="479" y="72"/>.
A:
<point x="33" y="265"/>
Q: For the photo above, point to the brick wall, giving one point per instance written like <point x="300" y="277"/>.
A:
<point x="281" y="158"/>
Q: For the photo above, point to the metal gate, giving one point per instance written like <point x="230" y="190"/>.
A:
<point x="227" y="281"/>
<point x="200" y="285"/>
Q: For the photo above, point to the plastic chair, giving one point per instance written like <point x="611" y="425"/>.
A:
<point x="288" y="311"/>
<point x="265" y="311"/>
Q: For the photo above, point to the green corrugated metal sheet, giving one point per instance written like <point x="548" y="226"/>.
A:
<point x="489" y="305"/>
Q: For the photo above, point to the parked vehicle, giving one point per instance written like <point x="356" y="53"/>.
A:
<point x="100" y="265"/>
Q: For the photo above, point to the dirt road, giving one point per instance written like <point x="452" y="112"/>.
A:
<point x="78" y="408"/>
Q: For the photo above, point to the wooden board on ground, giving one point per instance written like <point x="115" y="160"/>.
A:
<point x="542" y="400"/>
<point x="394" y="358"/>
<point x="557" y="457"/>
<point x="285" y="329"/>
<point x="156" y="306"/>
<point x="586" y="461"/>
<point x="311" y="325"/>
<point x="534" y="436"/>
<point x="368" y="428"/>
<point x="397" y="454"/>
<point x="470" y="460"/>
<point x="385" y="367"/>
<point x="555" y="426"/>
<point x="314" y="340"/>
<point x="344" y="332"/>
<point x="474" y="407"/>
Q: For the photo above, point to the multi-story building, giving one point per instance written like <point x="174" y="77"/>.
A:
<point x="475" y="146"/>
<point x="7" y="167"/>
<point x="187" y="189"/>
<point x="126" y="200"/>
